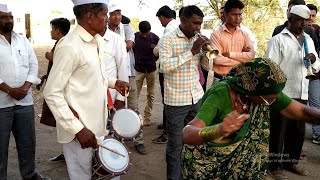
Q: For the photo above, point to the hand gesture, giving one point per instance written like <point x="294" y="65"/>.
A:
<point x="246" y="49"/>
<point x="49" y="56"/>
<point x="199" y="43"/>
<point x="86" y="138"/>
<point x="43" y="78"/>
<point x="122" y="87"/>
<point x="232" y="123"/>
<point x="310" y="56"/>
<point x="17" y="93"/>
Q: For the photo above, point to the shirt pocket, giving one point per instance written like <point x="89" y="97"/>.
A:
<point x="23" y="58"/>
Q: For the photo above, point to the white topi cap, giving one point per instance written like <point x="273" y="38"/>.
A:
<point x="4" y="8"/>
<point x="81" y="2"/>
<point x="113" y="7"/>
<point x="301" y="10"/>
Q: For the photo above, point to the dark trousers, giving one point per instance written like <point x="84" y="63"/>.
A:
<point x="286" y="140"/>
<point x="177" y="118"/>
<point x="20" y="121"/>
<point x="161" y="81"/>
<point x="205" y="76"/>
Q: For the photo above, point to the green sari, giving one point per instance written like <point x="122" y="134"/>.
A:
<point x="246" y="156"/>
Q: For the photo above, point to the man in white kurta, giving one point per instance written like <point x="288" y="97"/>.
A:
<point x="76" y="88"/>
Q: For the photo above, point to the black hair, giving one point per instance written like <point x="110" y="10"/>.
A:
<point x="62" y="24"/>
<point x="188" y="11"/>
<point x="233" y="4"/>
<point x="312" y="7"/>
<point x="296" y="2"/>
<point x="144" y="26"/>
<point x="165" y="11"/>
<point x="180" y="11"/>
<point x="80" y="10"/>
<point x="125" y="20"/>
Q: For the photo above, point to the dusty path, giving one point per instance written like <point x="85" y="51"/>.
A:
<point x="144" y="167"/>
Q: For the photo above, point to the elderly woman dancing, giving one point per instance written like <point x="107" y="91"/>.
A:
<point x="229" y="137"/>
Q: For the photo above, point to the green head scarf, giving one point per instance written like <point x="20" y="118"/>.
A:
<point x="257" y="78"/>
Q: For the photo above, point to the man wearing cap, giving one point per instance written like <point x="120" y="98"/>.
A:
<point x="18" y="71"/>
<point x="288" y="50"/>
<point x="127" y="33"/>
<point x="76" y="88"/>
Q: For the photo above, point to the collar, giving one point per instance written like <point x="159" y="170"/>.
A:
<point x="107" y="35"/>
<point x="224" y="28"/>
<point x="180" y="34"/>
<point x="117" y="28"/>
<point x="84" y="35"/>
<point x="286" y="31"/>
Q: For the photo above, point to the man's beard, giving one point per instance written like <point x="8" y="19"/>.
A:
<point x="7" y="28"/>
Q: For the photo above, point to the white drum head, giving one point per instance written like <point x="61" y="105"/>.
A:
<point x="112" y="161"/>
<point x="126" y="123"/>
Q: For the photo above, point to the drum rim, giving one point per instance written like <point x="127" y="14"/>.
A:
<point x="105" y="168"/>
<point x="117" y="135"/>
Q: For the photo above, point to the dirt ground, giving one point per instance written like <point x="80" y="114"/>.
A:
<point x="144" y="167"/>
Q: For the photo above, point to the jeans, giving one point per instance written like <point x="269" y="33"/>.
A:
<point x="314" y="101"/>
<point x="164" y="121"/>
<point x="177" y="118"/>
<point x="20" y="121"/>
<point x="286" y="140"/>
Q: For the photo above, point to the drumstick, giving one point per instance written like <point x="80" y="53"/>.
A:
<point x="111" y="150"/>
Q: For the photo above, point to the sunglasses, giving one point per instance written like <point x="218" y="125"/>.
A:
<point x="267" y="102"/>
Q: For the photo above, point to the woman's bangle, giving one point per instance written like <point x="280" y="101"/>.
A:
<point x="209" y="134"/>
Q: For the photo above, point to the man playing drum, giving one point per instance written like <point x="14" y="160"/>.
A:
<point x="76" y="88"/>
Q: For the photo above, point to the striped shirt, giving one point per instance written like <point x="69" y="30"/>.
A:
<point x="225" y="41"/>
<point x="180" y="66"/>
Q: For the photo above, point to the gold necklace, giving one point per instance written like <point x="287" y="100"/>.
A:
<point x="244" y="105"/>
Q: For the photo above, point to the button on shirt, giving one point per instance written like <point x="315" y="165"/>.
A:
<point x="285" y="50"/>
<point x="225" y="41"/>
<point x="115" y="60"/>
<point x="18" y="64"/>
<point x="77" y="79"/>
<point x="180" y="66"/>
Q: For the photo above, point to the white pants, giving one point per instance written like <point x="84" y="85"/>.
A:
<point x="79" y="161"/>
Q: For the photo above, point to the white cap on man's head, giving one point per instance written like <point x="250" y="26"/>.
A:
<point x="113" y="7"/>
<point x="4" y="8"/>
<point x="81" y="2"/>
<point x="301" y="10"/>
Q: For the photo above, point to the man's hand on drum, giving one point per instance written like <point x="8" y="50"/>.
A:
<point x="122" y="87"/>
<point x="118" y="104"/>
<point x="232" y="123"/>
<point x="86" y="138"/>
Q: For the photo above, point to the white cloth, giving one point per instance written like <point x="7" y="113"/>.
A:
<point x="251" y="37"/>
<point x="127" y="33"/>
<point x="79" y="161"/>
<point x="77" y="79"/>
<point x="18" y="64"/>
<point x="301" y="10"/>
<point x="285" y="50"/>
<point x="115" y="60"/>
<point x="81" y="2"/>
<point x="171" y="26"/>
<point x="4" y="8"/>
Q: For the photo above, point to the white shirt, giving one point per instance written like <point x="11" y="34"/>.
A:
<point x="77" y="79"/>
<point x="285" y="50"/>
<point x="171" y="26"/>
<point x="18" y="64"/>
<point x="115" y="60"/>
<point x="251" y="37"/>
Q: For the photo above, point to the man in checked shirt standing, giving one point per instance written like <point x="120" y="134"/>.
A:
<point x="179" y="59"/>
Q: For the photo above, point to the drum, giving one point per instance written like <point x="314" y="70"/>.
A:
<point x="107" y="164"/>
<point x="126" y="124"/>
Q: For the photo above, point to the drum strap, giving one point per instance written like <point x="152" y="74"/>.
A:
<point x="110" y="103"/>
